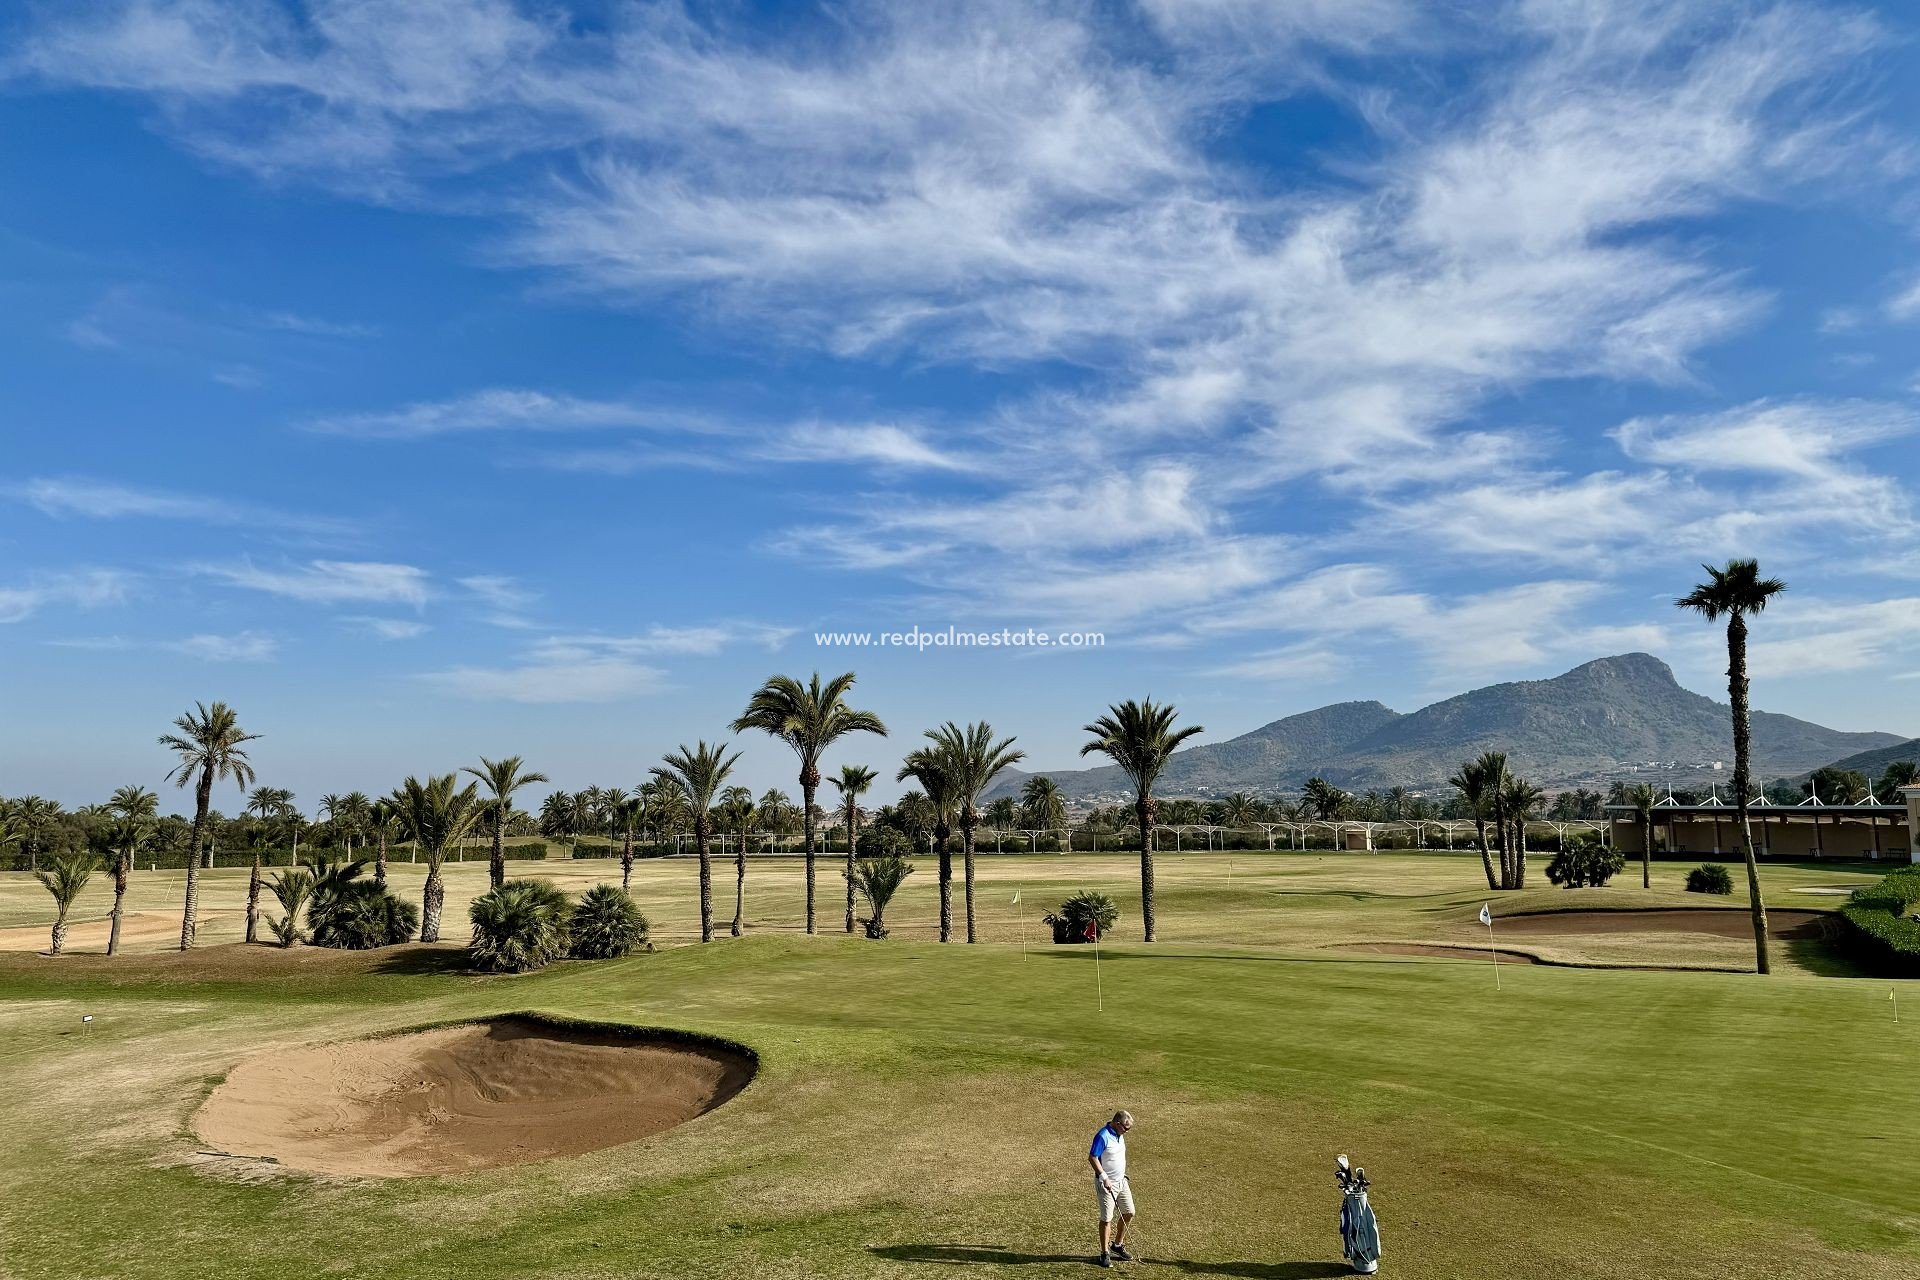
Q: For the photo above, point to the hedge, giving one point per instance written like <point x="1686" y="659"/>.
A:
<point x="1882" y="931"/>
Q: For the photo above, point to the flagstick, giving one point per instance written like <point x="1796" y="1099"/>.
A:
<point x="1023" y="929"/>
<point x="1896" y="1005"/>
<point x="1496" y="954"/>
<point x="1099" y="995"/>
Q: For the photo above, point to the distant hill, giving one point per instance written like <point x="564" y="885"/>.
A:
<point x="1579" y="726"/>
<point x="1874" y="763"/>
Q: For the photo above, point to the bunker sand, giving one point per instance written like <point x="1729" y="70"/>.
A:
<point x="508" y="1091"/>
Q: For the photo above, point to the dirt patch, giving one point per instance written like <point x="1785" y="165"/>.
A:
<point x="136" y="928"/>
<point x="506" y="1091"/>
<point x="1433" y="949"/>
<point x="1713" y="923"/>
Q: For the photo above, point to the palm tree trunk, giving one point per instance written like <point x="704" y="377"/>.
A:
<point x="966" y="859"/>
<point x="740" y="885"/>
<point x="946" y="885"/>
<point x="850" y="839"/>
<point x="700" y="838"/>
<point x="626" y="860"/>
<point x="1646" y="852"/>
<point x="190" y="912"/>
<point x="1144" y="811"/>
<point x="253" y="901"/>
<point x="119" y="901"/>
<point x="1742" y="747"/>
<point x="433" y="897"/>
<point x="1486" y="850"/>
<point x="497" y="860"/>
<point x="806" y="821"/>
<point x="59" y="935"/>
<point x="1520" y="852"/>
<point x="380" y="866"/>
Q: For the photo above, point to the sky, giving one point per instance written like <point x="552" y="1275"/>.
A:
<point x="433" y="379"/>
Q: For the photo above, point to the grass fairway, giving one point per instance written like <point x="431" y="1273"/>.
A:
<point x="923" y="1110"/>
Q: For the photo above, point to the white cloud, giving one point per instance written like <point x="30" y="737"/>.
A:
<point x="505" y="409"/>
<point x="86" y="589"/>
<point x="79" y="497"/>
<point x="247" y="646"/>
<point x="330" y="581"/>
<point x="561" y="669"/>
<point x="1905" y="305"/>
<point x="387" y="628"/>
<point x="884" y="444"/>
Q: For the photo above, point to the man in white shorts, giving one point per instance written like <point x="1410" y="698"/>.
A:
<point x="1108" y="1157"/>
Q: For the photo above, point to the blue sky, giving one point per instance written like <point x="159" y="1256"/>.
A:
<point x="432" y="378"/>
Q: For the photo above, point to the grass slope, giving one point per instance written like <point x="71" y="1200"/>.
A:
<point x="925" y="1107"/>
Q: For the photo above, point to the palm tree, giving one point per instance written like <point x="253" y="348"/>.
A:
<point x="1475" y="781"/>
<point x="382" y="817"/>
<point x="878" y="879"/>
<point x="1898" y="774"/>
<point x="1518" y="799"/>
<point x="268" y="805"/>
<point x="354" y="810"/>
<point x="332" y="808"/>
<point x="852" y="783"/>
<point x="34" y="815"/>
<point x="64" y="876"/>
<point x="10" y="831"/>
<point x="698" y="774"/>
<point x="809" y="718"/>
<point x="503" y="777"/>
<point x="737" y="812"/>
<point x="586" y="811"/>
<point x="976" y="760"/>
<point x="135" y="809"/>
<point x="1139" y="736"/>
<point x="291" y="889"/>
<point x="610" y="810"/>
<point x="1736" y="591"/>
<point x="1042" y="807"/>
<point x="1641" y="796"/>
<point x="556" y="815"/>
<point x="930" y="767"/>
<point x="436" y="815"/>
<point x="209" y="746"/>
<point x="1327" y="803"/>
<point x="1002" y="814"/>
<point x="776" y="811"/>
<point x="632" y="811"/>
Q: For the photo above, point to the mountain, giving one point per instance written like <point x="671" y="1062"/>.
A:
<point x="1874" y="763"/>
<point x="1579" y="727"/>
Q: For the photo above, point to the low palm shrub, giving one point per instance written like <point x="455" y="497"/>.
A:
<point x="606" y="925"/>
<point x="520" y="926"/>
<point x="877" y="878"/>
<point x="64" y="876"/>
<point x="290" y="889"/>
<point x="1085" y="908"/>
<point x="1709" y="877"/>
<point x="353" y="914"/>
<point x="1583" y="864"/>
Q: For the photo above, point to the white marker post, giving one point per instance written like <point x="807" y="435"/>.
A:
<point x="1023" y="926"/>
<point x="1896" y="1005"/>
<point x="1099" y="994"/>
<point x="1486" y="918"/>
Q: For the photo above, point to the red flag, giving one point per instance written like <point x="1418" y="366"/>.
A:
<point x="1093" y="931"/>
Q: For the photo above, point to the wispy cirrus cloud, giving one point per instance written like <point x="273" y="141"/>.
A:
<point x="328" y="581"/>
<point x="80" y="497"/>
<point x="500" y="409"/>
<point x="81" y="589"/>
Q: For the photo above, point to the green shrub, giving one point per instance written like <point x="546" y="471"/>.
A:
<point x="878" y="877"/>
<point x="1071" y="920"/>
<point x="353" y="914"/>
<point x="528" y="851"/>
<point x="522" y="925"/>
<point x="606" y="925"/>
<point x="1881" y="929"/>
<point x="1583" y="864"/>
<point x="885" y="842"/>
<point x="1709" y="877"/>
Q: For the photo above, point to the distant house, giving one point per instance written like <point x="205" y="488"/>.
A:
<point x="1810" y="829"/>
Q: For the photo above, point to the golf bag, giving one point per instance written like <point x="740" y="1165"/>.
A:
<point x="1359" y="1233"/>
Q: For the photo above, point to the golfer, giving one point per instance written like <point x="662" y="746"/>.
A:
<point x="1108" y="1158"/>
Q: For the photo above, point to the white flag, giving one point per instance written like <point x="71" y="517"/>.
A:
<point x="1016" y="897"/>
<point x="1486" y="915"/>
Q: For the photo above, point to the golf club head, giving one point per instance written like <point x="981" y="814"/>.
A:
<point x="1340" y="1162"/>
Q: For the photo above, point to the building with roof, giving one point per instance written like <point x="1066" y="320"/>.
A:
<point x="1871" y="829"/>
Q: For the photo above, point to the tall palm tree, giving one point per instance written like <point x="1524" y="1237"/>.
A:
<point x="35" y="815"/>
<point x="737" y="812"/>
<point x="666" y="810"/>
<point x="930" y="767"/>
<point x="852" y="783"/>
<point x="633" y="810"/>
<point x="333" y="809"/>
<point x="436" y="814"/>
<point x="1898" y="774"/>
<point x="210" y="745"/>
<point x="586" y="811"/>
<point x="1042" y="807"/>
<point x="1139" y="737"/>
<point x="809" y="718"/>
<point x="382" y="818"/>
<point x="355" y="809"/>
<point x="269" y="805"/>
<point x="698" y="774"/>
<point x="1002" y="814"/>
<point x="777" y="811"/>
<point x="64" y="876"/>
<point x="1735" y="592"/>
<point x="1475" y="781"/>
<point x="976" y="760"/>
<point x="1641" y="796"/>
<point x="135" y="811"/>
<point x="10" y="831"/>
<point x="610" y="810"/>
<point x="1519" y="799"/>
<point x="502" y="777"/>
<point x="556" y="815"/>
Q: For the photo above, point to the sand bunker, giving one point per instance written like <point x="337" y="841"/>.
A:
<point x="1714" y="923"/>
<point x="507" y="1091"/>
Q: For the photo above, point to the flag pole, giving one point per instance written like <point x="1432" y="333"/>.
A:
<point x="1896" y="1005"/>
<point x="1023" y="926"/>
<point x="1486" y="918"/>
<point x="1099" y="993"/>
